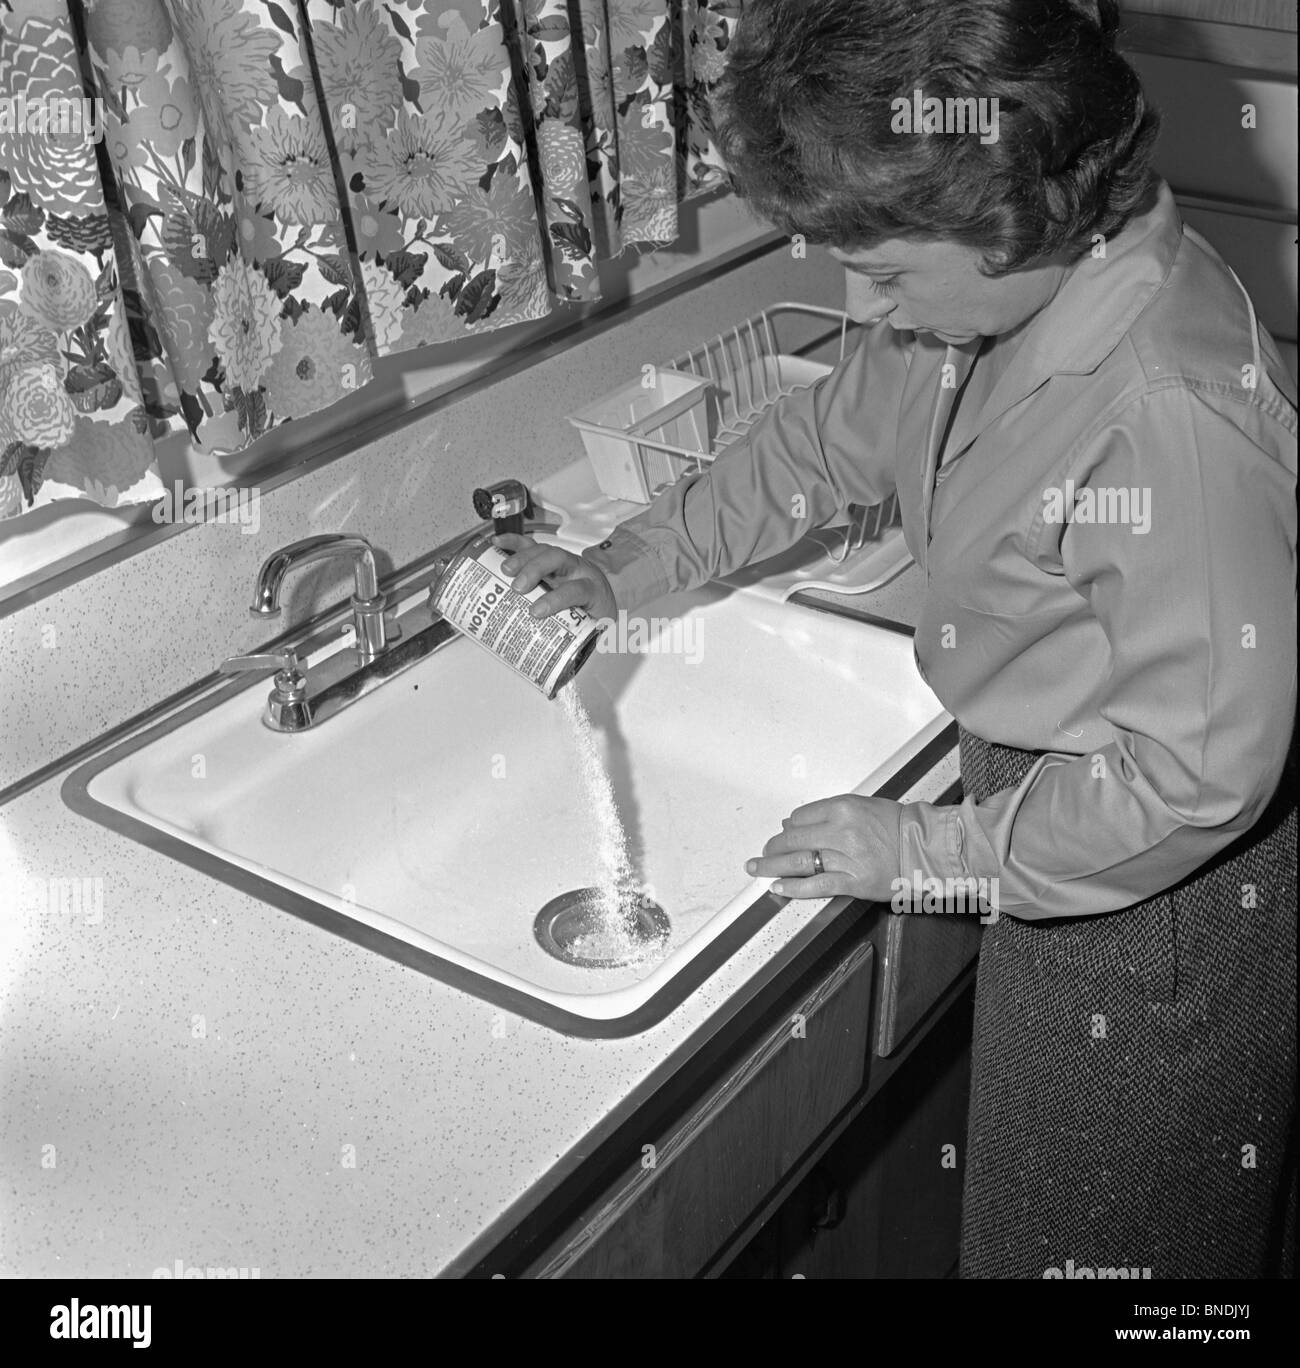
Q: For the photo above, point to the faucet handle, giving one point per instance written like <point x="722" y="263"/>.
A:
<point x="289" y="678"/>
<point x="287" y="705"/>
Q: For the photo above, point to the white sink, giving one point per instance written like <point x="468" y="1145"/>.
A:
<point x="433" y="818"/>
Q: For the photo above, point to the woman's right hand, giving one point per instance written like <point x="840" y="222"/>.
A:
<point x="577" y="583"/>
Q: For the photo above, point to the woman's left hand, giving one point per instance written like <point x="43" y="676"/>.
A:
<point x="857" y="839"/>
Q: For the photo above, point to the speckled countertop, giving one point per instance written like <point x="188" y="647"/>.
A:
<point x="192" y="1075"/>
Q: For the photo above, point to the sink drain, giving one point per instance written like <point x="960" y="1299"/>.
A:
<point x="575" y="928"/>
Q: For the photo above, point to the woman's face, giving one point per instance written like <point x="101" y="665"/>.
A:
<point x="936" y="287"/>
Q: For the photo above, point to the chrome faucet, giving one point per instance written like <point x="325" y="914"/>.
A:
<point x="371" y="632"/>
<point x="302" y="698"/>
<point x="297" y="701"/>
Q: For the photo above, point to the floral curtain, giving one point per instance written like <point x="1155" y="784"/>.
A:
<point x="216" y="214"/>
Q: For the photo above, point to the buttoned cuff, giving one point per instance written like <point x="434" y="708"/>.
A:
<point x="633" y="568"/>
<point x="931" y="843"/>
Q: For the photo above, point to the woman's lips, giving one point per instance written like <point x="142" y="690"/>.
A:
<point x="951" y="338"/>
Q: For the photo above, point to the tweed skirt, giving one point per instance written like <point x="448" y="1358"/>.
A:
<point x="1132" y="1092"/>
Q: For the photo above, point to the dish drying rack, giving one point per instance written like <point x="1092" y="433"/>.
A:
<point x="679" y="418"/>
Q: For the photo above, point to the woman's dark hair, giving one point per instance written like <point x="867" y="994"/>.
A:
<point x="808" y="116"/>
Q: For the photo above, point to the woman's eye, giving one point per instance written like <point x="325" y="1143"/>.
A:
<point x="888" y="286"/>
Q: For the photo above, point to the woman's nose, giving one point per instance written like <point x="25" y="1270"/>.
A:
<point x="861" y="302"/>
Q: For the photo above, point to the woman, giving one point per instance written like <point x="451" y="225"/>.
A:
<point x="1093" y="443"/>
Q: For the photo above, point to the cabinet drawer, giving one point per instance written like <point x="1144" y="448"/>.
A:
<point x="708" y="1172"/>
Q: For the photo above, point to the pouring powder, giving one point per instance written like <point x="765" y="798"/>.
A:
<point x="616" y="883"/>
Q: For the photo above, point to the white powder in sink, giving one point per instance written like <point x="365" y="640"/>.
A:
<point x="616" y="883"/>
<point x="613" y="946"/>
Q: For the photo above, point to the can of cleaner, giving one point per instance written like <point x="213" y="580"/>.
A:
<point x="473" y="593"/>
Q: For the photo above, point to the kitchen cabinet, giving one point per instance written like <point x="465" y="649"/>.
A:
<point x="1222" y="73"/>
<point x="884" y="1201"/>
<point x="923" y="955"/>
<point x="699" y="1187"/>
<point x="698" y="1181"/>
<point x="1256" y="34"/>
<point x="1276" y="14"/>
